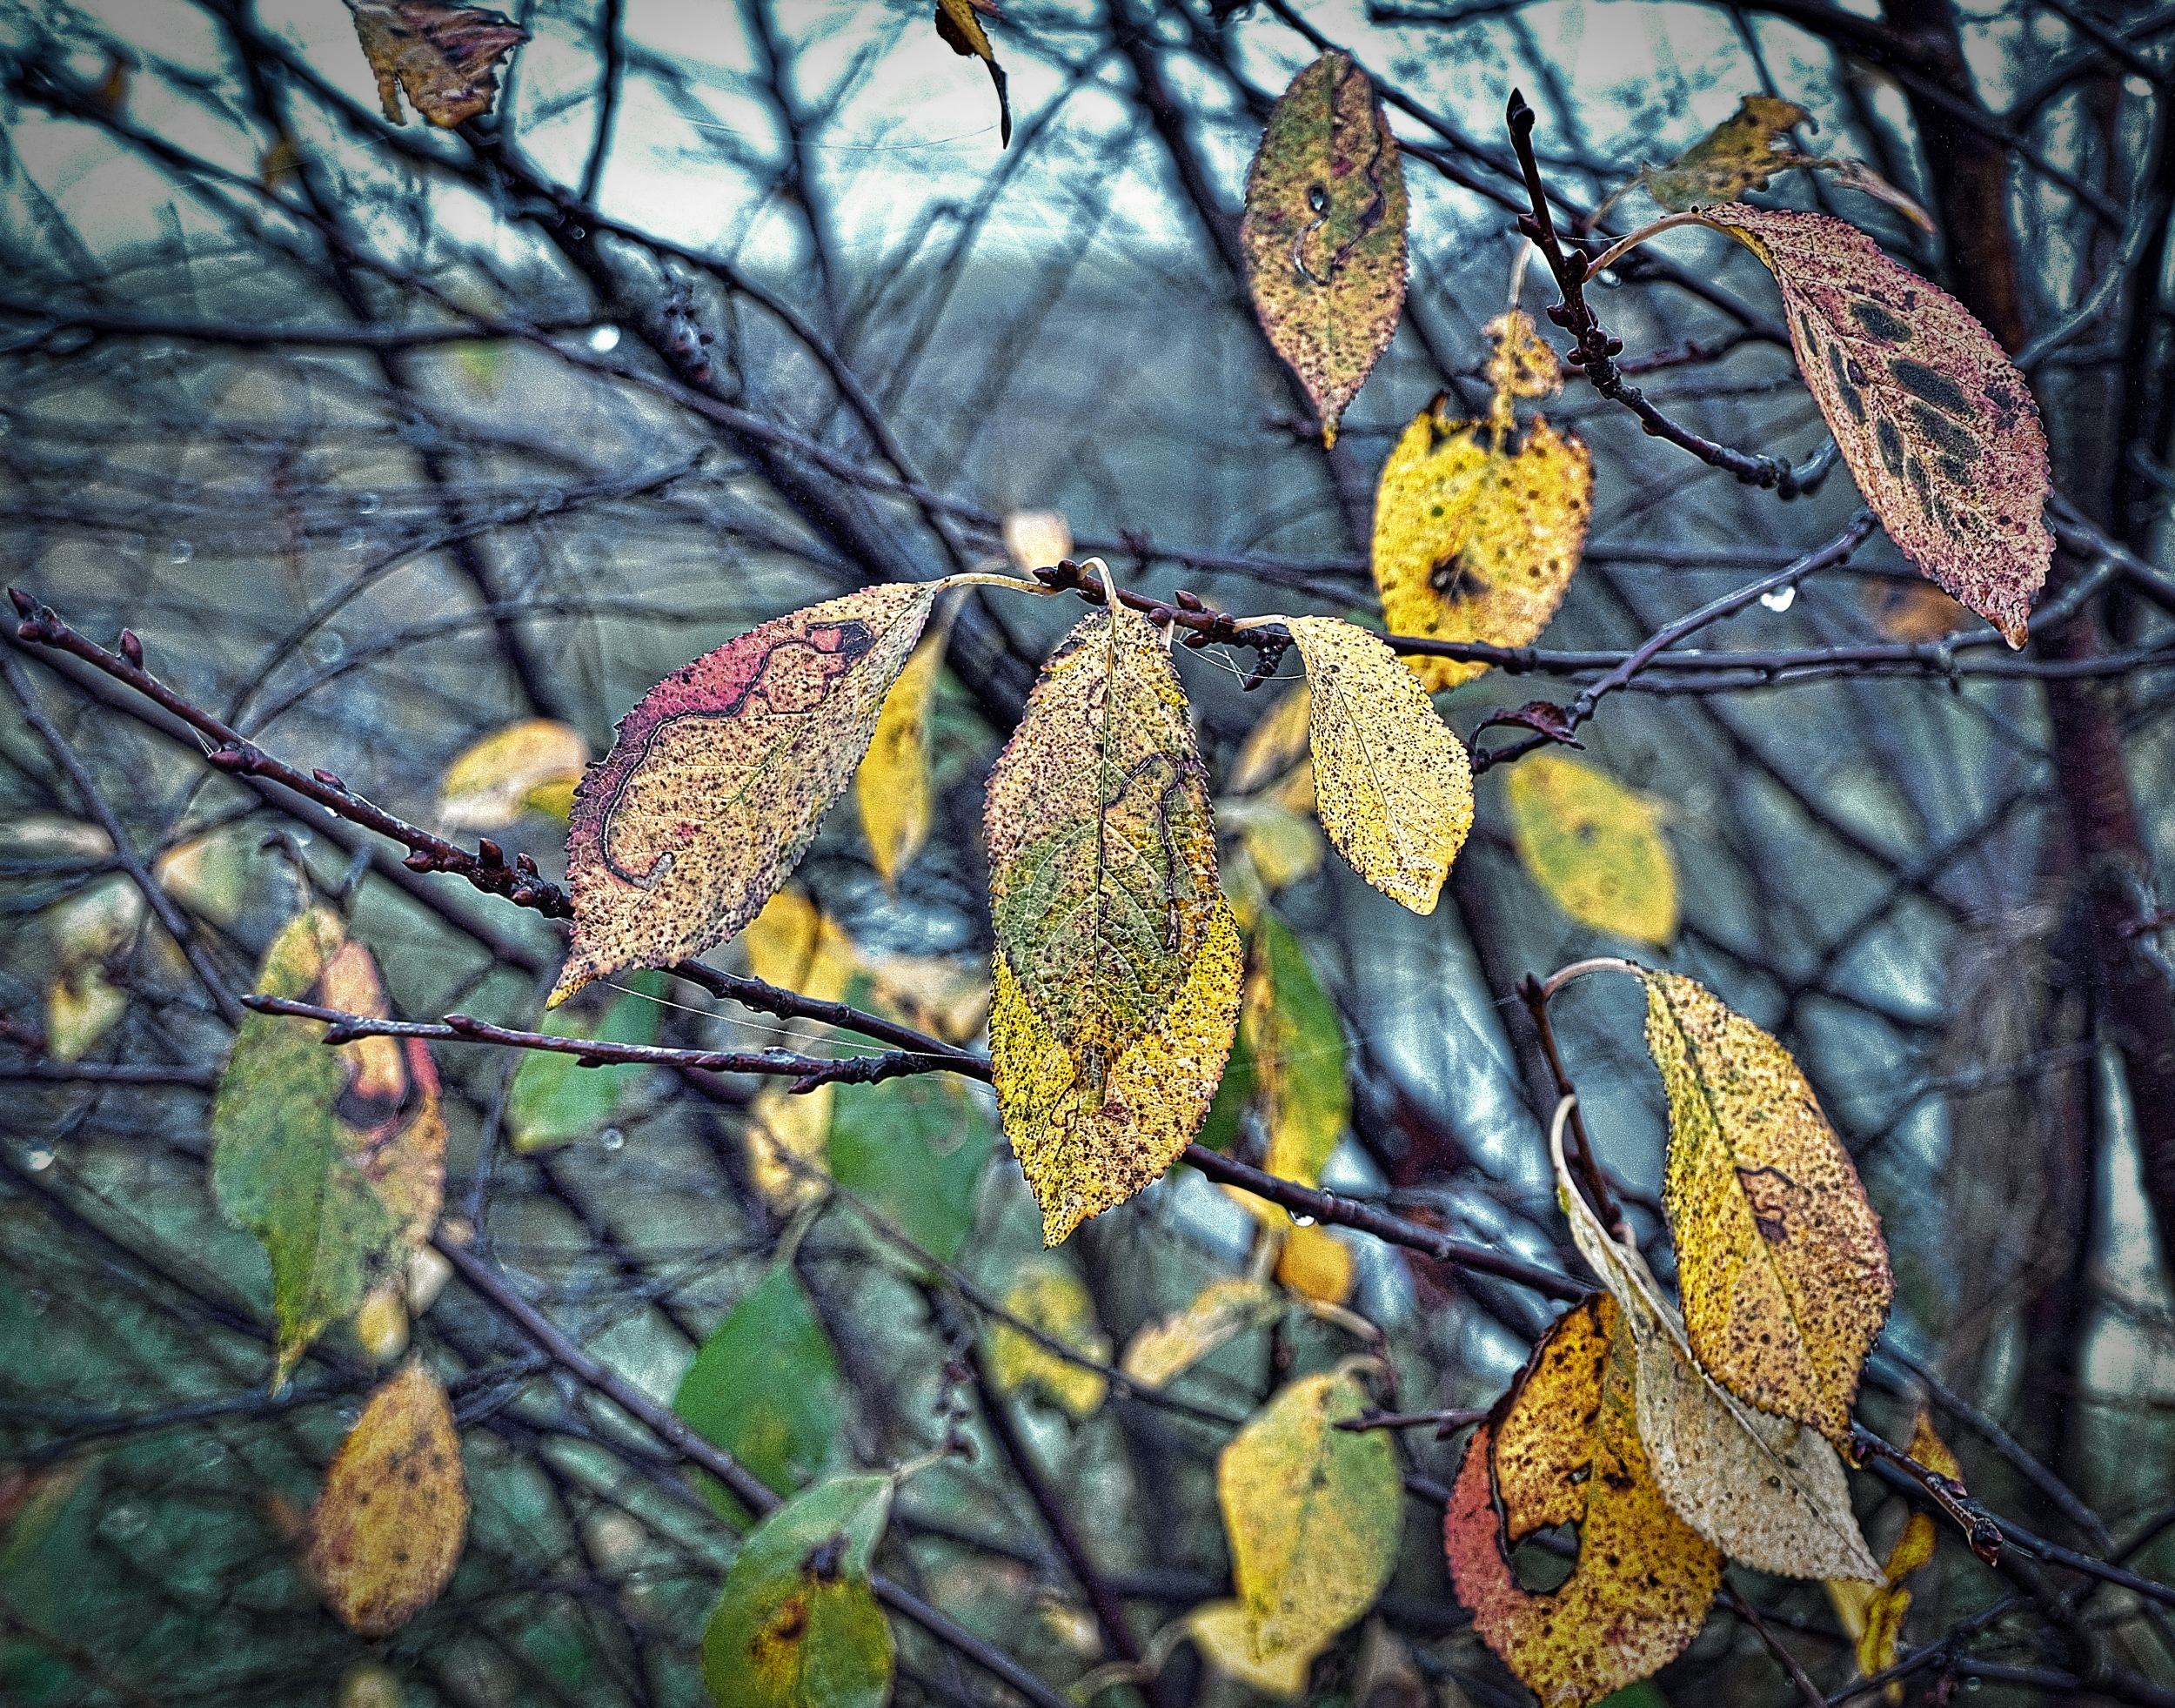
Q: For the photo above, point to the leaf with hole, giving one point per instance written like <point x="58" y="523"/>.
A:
<point x="446" y="57"/>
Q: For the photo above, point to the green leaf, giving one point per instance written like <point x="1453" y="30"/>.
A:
<point x="799" y="1625"/>
<point x="1296" y="1043"/>
<point x="764" y="1387"/>
<point x="914" y="1149"/>
<point x="554" y="1099"/>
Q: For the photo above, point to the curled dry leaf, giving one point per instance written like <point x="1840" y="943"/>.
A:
<point x="963" y="32"/>
<point x="1393" y="787"/>
<point x="1313" y="1514"/>
<point x="1750" y="147"/>
<point x="1594" y="846"/>
<point x="1938" y="428"/>
<point x="718" y="779"/>
<point x="1562" y="1447"/>
<point x="1478" y="528"/>
<point x="1873" y="1617"/>
<point x="1051" y="1300"/>
<point x="445" y="56"/>
<point x="892" y="786"/>
<point x="532" y="764"/>
<point x="1767" y="1490"/>
<point x="389" y="1527"/>
<point x="1779" y="1256"/>
<point x="1324" y="233"/>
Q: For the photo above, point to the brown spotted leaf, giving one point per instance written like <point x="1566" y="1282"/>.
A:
<point x="1324" y="233"/>
<point x="963" y="33"/>
<point x="718" y="779"/>
<point x="1393" y="787"/>
<point x="390" y="1525"/>
<point x="1938" y="428"/>
<point x="445" y="56"/>
<point x="1779" y="1257"/>
<point x="1563" y="1447"/>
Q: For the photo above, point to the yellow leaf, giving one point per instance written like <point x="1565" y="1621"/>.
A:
<point x="1938" y="428"/>
<point x="1324" y="233"/>
<point x="1049" y="1299"/>
<point x="1930" y="1450"/>
<point x="445" y="56"/>
<point x="1313" y="1512"/>
<point x="1315" y="1264"/>
<point x="795" y="946"/>
<point x="1222" y="1311"/>
<point x="1220" y="1631"/>
<point x="381" y="1325"/>
<point x="367" y="1684"/>
<point x="488" y="786"/>
<point x="963" y="34"/>
<point x="1596" y="847"/>
<point x="1393" y="786"/>
<point x="209" y="875"/>
<point x="1874" y="1618"/>
<point x="81" y="1007"/>
<point x="1087" y="1142"/>
<point x="1913" y="610"/>
<point x="1282" y="845"/>
<point x="1764" y="1489"/>
<point x="1277" y="741"/>
<point x="785" y="1134"/>
<point x="1779" y="1256"/>
<point x="1037" y="539"/>
<point x="91" y="928"/>
<point x="390" y="1524"/>
<point x="1739" y="154"/>
<point x="717" y="782"/>
<point x="1295" y="1041"/>
<point x="892" y="784"/>
<point x="1562" y="1447"/>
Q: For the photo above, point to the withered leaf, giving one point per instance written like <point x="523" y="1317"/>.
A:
<point x="1562" y="1447"/>
<point x="1750" y="147"/>
<point x="386" y="1532"/>
<point x="1324" y="233"/>
<point x="718" y="779"/>
<point x="1779" y="1257"/>
<point x="1938" y="428"/>
<point x="963" y="33"/>
<point x="445" y="56"/>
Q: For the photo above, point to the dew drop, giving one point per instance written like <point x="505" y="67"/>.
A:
<point x="1608" y="278"/>
<point x="605" y="338"/>
<point x="611" y="1138"/>
<point x="354" y="540"/>
<point x="39" y="1159"/>
<point x="1300" y="1221"/>
<point x="181" y="552"/>
<point x="1782" y="599"/>
<point x="328" y="647"/>
<point x="368" y="505"/>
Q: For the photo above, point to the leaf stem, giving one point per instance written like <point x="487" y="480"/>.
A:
<point x="1624" y="245"/>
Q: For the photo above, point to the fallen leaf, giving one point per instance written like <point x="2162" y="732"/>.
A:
<point x="1219" y="1312"/>
<point x="1562" y="1447"/>
<point x="1276" y="742"/>
<point x="1594" y="846"/>
<point x="493" y="782"/>
<point x="554" y="1100"/>
<point x="963" y="34"/>
<point x="797" y="1625"/>
<point x="1938" y="428"/>
<point x="49" y="836"/>
<point x="1315" y="1514"/>
<point x="1037" y="539"/>
<point x="334" y="1157"/>
<point x="892" y="786"/>
<point x="1051" y="1300"/>
<point x="1316" y="1264"/>
<point x="718" y="779"/>
<point x="1324" y="233"/>
<point x="445" y="56"/>
<point x="381" y="1325"/>
<point x="1220" y="1630"/>
<point x="764" y="1387"/>
<point x="389" y="1527"/>
<point x="1478" y="527"/>
<point x="1393" y="787"/>
<point x="367" y="1684"/>
<point x="1779" y="1257"/>
<point x="1764" y="1489"/>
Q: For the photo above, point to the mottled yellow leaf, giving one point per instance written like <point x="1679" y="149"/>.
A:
<point x="1562" y="1447"/>
<point x="92" y="929"/>
<point x="718" y="781"/>
<point x="892" y="786"/>
<point x="1393" y="787"/>
<point x="1938" y="428"/>
<point x="1051" y="1300"/>
<point x="1478" y="527"/>
<point x="1779" y="1256"/>
<point x="1313" y="1514"/>
<point x="491" y="784"/>
<point x="1764" y="1489"/>
<point x="1315" y="1264"/>
<point x="390" y="1524"/>
<point x="1037" y="539"/>
<point x="794" y="944"/>
<point x="1087" y="1140"/>
<point x="1222" y="1311"/>
<point x="1750" y="147"/>
<point x="786" y="1132"/>
<point x="1219" y="1630"/>
<point x="1275" y="743"/>
<point x="963" y="34"/>
<point x="1595" y="846"/>
<point x="446" y="57"/>
<point x="1324" y="233"/>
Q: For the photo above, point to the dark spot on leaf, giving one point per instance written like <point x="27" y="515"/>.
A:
<point x="1878" y="321"/>
<point x="1930" y="384"/>
<point x="1890" y="443"/>
<point x="1454" y="579"/>
<point x="1947" y="437"/>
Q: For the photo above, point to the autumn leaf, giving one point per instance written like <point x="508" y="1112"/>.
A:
<point x="1913" y="610"/>
<point x="90" y="931"/>
<point x="1283" y="846"/>
<point x="1316" y="1264"/>
<point x="1938" y="428"/>
<point x="1314" y="1513"/>
<point x="1779" y="1257"/>
<point x="1478" y="526"/>
<point x="963" y="32"/>
<point x="1219" y="1312"/>
<point x="1393" y="787"/>
<point x="1767" y="1490"/>
<point x="386" y="1531"/>
<point x="796" y="946"/>
<point x="1296" y="1042"/>
<point x="764" y="1387"/>
<point x="1219" y="1630"/>
<point x="1750" y="147"/>
<point x="445" y="56"/>
<point x="1562" y="1447"/>
<point x="1594" y="846"/>
<point x="335" y="1157"/>
<point x="1274" y="745"/>
<point x="209" y="875"/>
<point x="1874" y="1618"/>
<point x="532" y="765"/>
<point x="797" y="1625"/>
<point x="718" y="779"/>
<point x="1051" y="1300"/>
<point x="1324" y="233"/>
<point x="892" y="786"/>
